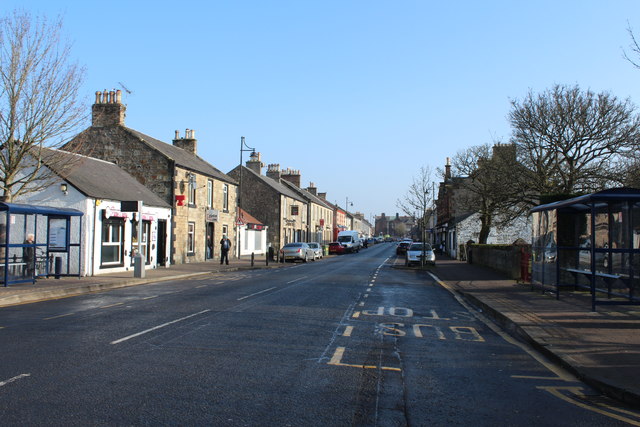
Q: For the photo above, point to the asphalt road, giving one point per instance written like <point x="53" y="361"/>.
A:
<point x="339" y="342"/>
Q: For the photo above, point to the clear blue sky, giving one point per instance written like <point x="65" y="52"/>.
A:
<point x="356" y="94"/>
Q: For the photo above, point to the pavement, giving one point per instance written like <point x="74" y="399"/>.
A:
<point x="600" y="348"/>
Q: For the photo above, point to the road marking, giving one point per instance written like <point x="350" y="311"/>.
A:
<point x="58" y="316"/>
<point x="562" y="374"/>
<point x="576" y="391"/>
<point x="356" y="315"/>
<point x="336" y="360"/>
<point x="299" y="278"/>
<point x="16" y="378"/>
<point x="257" y="293"/>
<point x="151" y="297"/>
<point x="112" y="305"/>
<point x="361" y="304"/>
<point x="158" y="327"/>
<point x="347" y="331"/>
<point x="201" y="286"/>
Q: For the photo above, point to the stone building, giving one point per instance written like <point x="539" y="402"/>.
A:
<point x="458" y="223"/>
<point x="276" y="204"/>
<point x="202" y="197"/>
<point x="319" y="212"/>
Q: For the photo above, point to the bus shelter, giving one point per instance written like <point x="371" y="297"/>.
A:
<point x="38" y="241"/>
<point x="590" y="242"/>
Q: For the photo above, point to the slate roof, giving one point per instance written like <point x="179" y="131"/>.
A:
<point x="307" y="195"/>
<point x="99" y="179"/>
<point x="182" y="157"/>
<point x="277" y="186"/>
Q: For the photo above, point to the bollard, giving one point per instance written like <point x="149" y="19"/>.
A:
<point x="57" y="267"/>
<point x="252" y="258"/>
<point x="267" y="260"/>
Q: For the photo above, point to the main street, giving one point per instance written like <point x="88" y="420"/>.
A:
<point x="349" y="340"/>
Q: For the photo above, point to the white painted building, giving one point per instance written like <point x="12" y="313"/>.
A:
<point x="109" y="236"/>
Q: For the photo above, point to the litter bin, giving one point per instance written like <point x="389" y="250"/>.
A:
<point x="325" y="250"/>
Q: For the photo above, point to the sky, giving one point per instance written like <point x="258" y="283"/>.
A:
<point x="358" y="95"/>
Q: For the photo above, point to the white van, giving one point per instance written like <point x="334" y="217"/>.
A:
<point x="350" y="240"/>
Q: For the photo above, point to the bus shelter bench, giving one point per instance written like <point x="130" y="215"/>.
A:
<point x="609" y="279"/>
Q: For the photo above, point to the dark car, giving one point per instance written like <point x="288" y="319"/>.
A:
<point x="402" y="247"/>
<point x="335" y="248"/>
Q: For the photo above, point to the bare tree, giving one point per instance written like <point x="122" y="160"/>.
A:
<point x="418" y="201"/>
<point x="487" y="173"/>
<point x="39" y="104"/>
<point x="570" y="140"/>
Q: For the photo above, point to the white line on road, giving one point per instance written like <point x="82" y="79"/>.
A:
<point x="158" y="327"/>
<point x="299" y="278"/>
<point x="10" y="380"/>
<point x="257" y="293"/>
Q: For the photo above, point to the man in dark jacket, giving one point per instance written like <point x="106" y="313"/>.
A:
<point x="225" y="245"/>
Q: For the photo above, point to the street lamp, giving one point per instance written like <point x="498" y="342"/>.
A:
<point x="243" y="147"/>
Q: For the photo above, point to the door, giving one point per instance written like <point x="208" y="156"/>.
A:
<point x="210" y="241"/>
<point x="161" y="255"/>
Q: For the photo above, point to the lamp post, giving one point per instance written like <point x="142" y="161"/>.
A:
<point x="243" y="147"/>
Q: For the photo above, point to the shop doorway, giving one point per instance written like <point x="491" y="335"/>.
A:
<point x="161" y="254"/>
<point x="211" y="238"/>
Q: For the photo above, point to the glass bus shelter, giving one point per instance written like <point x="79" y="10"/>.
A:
<point x="38" y="241"/>
<point x="590" y="242"/>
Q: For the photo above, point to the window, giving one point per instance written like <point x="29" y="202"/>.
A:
<point x="225" y="230"/>
<point x="146" y="231"/>
<point x="225" y="197"/>
<point x="192" y="190"/>
<point x="112" y="239"/>
<point x="209" y="194"/>
<point x="295" y="210"/>
<point x="191" y="237"/>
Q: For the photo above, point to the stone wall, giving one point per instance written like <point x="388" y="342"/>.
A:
<point x="503" y="258"/>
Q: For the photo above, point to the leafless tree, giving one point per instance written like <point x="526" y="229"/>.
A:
<point x="418" y="201"/>
<point x="569" y="140"/>
<point x="486" y="173"/>
<point x="39" y="103"/>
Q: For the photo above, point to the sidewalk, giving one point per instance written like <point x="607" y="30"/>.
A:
<point x="601" y="348"/>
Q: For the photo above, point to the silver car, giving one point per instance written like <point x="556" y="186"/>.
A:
<point x="317" y="250"/>
<point x="415" y="252"/>
<point x="297" y="251"/>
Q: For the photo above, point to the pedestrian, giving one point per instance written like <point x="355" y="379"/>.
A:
<point x="225" y="245"/>
<point x="28" y="255"/>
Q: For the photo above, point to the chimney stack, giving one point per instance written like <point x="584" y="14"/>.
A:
<point x="312" y="189"/>
<point x="447" y="169"/>
<point x="323" y="196"/>
<point x="292" y="176"/>
<point x="254" y="163"/>
<point x="108" y="109"/>
<point x="273" y="172"/>
<point x="188" y="143"/>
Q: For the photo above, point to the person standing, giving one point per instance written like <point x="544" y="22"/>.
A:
<point x="28" y="256"/>
<point x="225" y="245"/>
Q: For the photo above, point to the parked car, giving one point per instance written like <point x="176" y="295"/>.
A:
<point x="317" y="249"/>
<point x="402" y="247"/>
<point x="297" y="251"/>
<point x="336" y="248"/>
<point x="415" y="252"/>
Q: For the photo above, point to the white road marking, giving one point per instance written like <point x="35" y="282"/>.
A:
<point x="16" y="378"/>
<point x="257" y="293"/>
<point x="299" y="278"/>
<point x="158" y="327"/>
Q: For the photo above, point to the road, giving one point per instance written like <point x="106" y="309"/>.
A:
<point x="344" y="341"/>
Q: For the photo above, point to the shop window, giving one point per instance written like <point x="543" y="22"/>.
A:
<point x="146" y="229"/>
<point x="112" y="242"/>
